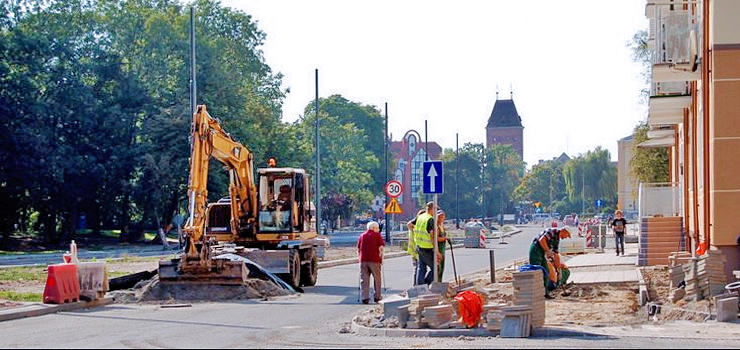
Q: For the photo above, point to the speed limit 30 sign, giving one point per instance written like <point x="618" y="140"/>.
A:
<point x="393" y="188"/>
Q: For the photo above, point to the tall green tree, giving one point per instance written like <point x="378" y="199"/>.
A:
<point x="347" y="164"/>
<point x="545" y="184"/>
<point x="462" y="192"/>
<point x="589" y="177"/>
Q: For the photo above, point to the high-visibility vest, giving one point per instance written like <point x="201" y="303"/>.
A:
<point x="422" y="238"/>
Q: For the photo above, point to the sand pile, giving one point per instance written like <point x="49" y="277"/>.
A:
<point x="153" y="291"/>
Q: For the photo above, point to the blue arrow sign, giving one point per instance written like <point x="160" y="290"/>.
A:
<point x="599" y="203"/>
<point x="432" y="177"/>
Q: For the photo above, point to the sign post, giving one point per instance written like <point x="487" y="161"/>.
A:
<point x="433" y="184"/>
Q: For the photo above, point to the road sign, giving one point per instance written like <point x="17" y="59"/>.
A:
<point x="599" y="203"/>
<point x="432" y="175"/>
<point x="393" y="188"/>
<point x="393" y="207"/>
<point x="537" y="204"/>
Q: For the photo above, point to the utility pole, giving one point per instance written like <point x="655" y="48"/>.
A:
<point x="426" y="154"/>
<point x="192" y="62"/>
<point x="385" y="142"/>
<point x="318" y="158"/>
<point x="457" y="175"/>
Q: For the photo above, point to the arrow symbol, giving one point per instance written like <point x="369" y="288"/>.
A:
<point x="432" y="174"/>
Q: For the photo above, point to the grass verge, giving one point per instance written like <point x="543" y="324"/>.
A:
<point x="15" y="296"/>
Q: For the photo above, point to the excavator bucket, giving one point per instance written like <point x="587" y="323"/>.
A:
<point x="220" y="272"/>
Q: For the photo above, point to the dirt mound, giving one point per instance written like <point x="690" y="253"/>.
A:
<point x="153" y="291"/>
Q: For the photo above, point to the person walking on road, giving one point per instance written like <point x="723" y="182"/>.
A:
<point x="545" y="246"/>
<point x="423" y="227"/>
<point x="370" y="248"/>
<point x="619" y="225"/>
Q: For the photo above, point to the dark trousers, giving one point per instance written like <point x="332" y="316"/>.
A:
<point x="619" y="241"/>
<point x="424" y="269"/>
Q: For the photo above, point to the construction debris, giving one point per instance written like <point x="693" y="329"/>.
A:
<point x="153" y="291"/>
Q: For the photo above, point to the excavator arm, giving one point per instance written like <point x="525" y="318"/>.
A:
<point x="210" y="140"/>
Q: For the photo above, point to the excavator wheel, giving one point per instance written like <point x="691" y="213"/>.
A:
<point x="294" y="277"/>
<point x="310" y="268"/>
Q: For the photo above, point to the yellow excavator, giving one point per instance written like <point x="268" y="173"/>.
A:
<point x="268" y="220"/>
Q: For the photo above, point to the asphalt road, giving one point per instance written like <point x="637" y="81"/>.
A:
<point x="314" y="319"/>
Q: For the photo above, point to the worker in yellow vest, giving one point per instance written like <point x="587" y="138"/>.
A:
<point x="423" y="233"/>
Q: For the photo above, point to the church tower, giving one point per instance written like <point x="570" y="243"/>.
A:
<point x="505" y="126"/>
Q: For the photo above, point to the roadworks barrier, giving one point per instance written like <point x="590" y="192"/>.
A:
<point x="62" y="284"/>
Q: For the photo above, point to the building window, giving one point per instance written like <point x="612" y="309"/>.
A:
<point x="416" y="168"/>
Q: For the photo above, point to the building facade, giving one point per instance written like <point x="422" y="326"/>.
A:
<point x="409" y="154"/>
<point x="695" y="112"/>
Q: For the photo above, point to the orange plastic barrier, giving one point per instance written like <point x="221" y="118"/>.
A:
<point x="62" y="284"/>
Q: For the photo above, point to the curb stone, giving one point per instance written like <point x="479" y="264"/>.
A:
<point x="544" y="332"/>
<point x="39" y="309"/>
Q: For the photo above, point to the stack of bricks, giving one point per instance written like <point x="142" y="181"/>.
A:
<point x="710" y="272"/>
<point x="692" y="282"/>
<point x="705" y="276"/>
<point x="494" y="314"/>
<point x="517" y="322"/>
<point x="529" y="290"/>
<point x="438" y="316"/>
<point x="417" y="306"/>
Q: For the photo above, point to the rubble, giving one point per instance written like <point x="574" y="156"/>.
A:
<point x="153" y="291"/>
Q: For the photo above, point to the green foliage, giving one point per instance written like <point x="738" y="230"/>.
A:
<point x="648" y="165"/>
<point x="589" y="177"/>
<point x="348" y="163"/>
<point x="99" y="120"/>
<point x="486" y="180"/>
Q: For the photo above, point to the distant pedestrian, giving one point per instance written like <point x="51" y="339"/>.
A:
<point x="423" y="227"/>
<point x="370" y="247"/>
<point x="619" y="225"/>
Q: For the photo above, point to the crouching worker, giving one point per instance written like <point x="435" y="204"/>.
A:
<point x="545" y="246"/>
<point x="557" y="272"/>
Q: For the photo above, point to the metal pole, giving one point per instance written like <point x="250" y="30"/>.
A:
<point x="426" y="153"/>
<point x="457" y="175"/>
<point x="435" y="266"/>
<point x="318" y="157"/>
<point x="492" y="260"/>
<point x="193" y="99"/>
<point x="385" y="139"/>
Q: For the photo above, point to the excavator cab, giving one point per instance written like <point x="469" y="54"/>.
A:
<point x="283" y="198"/>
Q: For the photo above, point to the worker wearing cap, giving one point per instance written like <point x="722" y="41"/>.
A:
<point x="441" y="240"/>
<point x="423" y="233"/>
<point x="545" y="246"/>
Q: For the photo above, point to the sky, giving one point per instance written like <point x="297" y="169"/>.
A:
<point x="567" y="64"/>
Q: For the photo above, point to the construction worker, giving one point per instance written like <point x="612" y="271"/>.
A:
<point x="558" y="273"/>
<point x="545" y="246"/>
<point x="441" y="240"/>
<point x="411" y="249"/>
<point x="423" y="227"/>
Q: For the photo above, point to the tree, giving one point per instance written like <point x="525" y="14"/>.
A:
<point x="545" y="184"/>
<point x="589" y="177"/>
<point x="648" y="165"/>
<point x="468" y="182"/>
<point x="347" y="183"/>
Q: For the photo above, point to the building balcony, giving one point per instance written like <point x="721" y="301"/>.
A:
<point x="667" y="110"/>
<point x="673" y="37"/>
